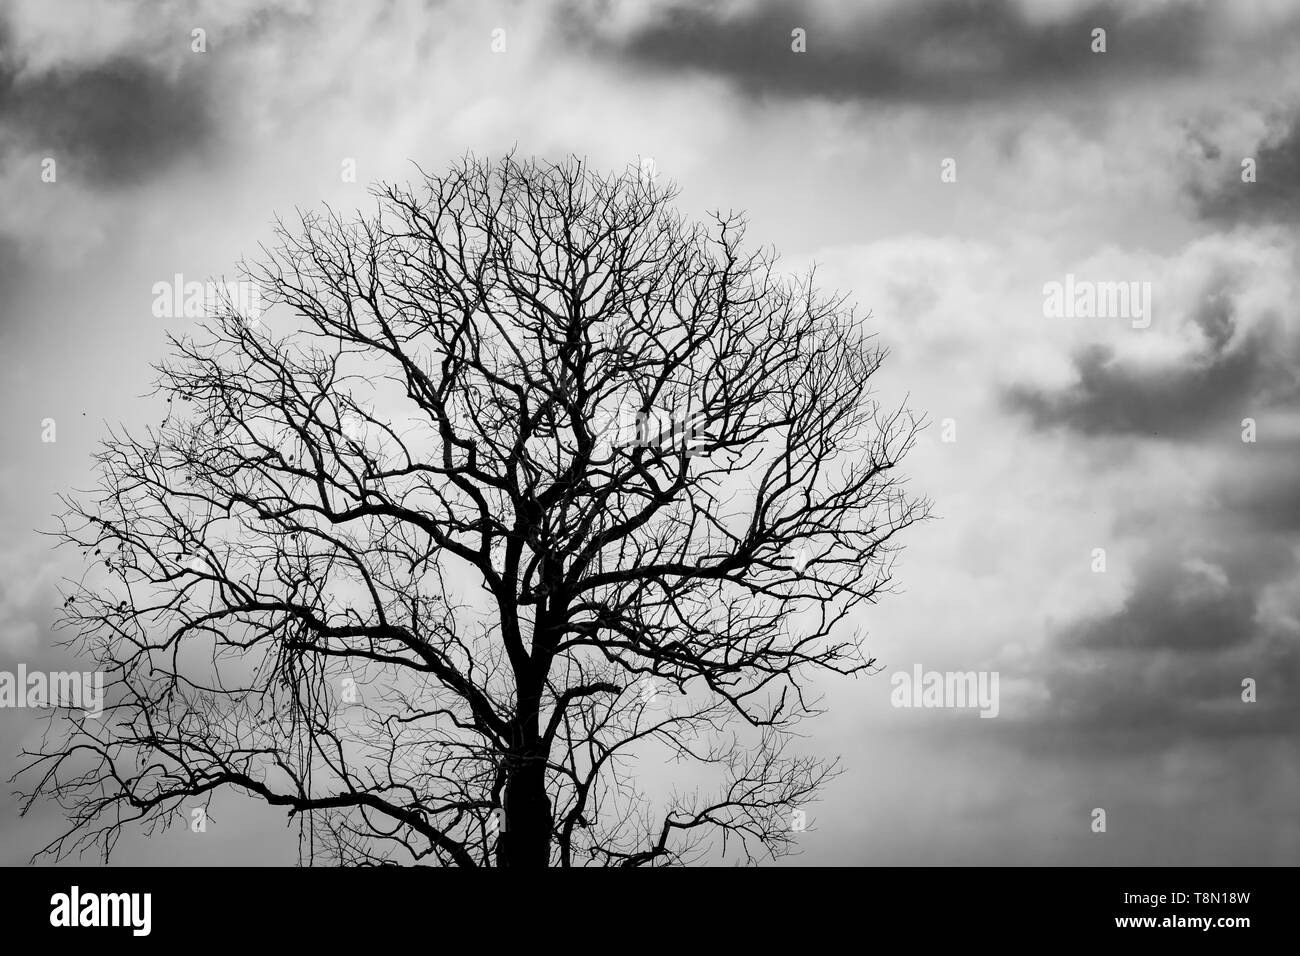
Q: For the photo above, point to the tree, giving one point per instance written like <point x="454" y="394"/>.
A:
<point x="522" y="481"/>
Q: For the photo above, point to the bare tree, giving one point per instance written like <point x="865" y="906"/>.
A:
<point x="522" y="483"/>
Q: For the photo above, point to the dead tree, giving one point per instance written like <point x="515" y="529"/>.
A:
<point x="405" y="559"/>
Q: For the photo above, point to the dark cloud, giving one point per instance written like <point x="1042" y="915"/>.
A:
<point x="1270" y="500"/>
<point x="926" y="50"/>
<point x="1147" y="704"/>
<point x="1274" y="196"/>
<point x="1183" y="607"/>
<point x="1167" y="667"/>
<point x="111" y="124"/>
<point x="1233" y="377"/>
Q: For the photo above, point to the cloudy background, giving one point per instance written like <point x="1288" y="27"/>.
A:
<point x="1119" y="690"/>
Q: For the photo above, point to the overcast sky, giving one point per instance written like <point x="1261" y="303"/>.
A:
<point x="1120" y="690"/>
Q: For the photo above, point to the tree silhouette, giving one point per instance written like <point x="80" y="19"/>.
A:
<point x="522" y="484"/>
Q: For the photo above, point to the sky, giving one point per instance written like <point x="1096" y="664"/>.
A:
<point x="941" y="161"/>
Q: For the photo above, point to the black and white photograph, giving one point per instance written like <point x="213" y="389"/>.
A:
<point x="775" y="435"/>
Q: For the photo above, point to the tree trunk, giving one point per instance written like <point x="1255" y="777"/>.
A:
<point x="526" y="837"/>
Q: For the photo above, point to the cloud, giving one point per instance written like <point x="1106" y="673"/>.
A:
<point x="1167" y="667"/>
<point x="1113" y="397"/>
<point x="1270" y="500"/>
<point x="1221" y="195"/>
<point x="1214" y="595"/>
<point x="1229" y="352"/>
<point x="1192" y="606"/>
<point x="925" y="51"/>
<point x="112" y="124"/>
